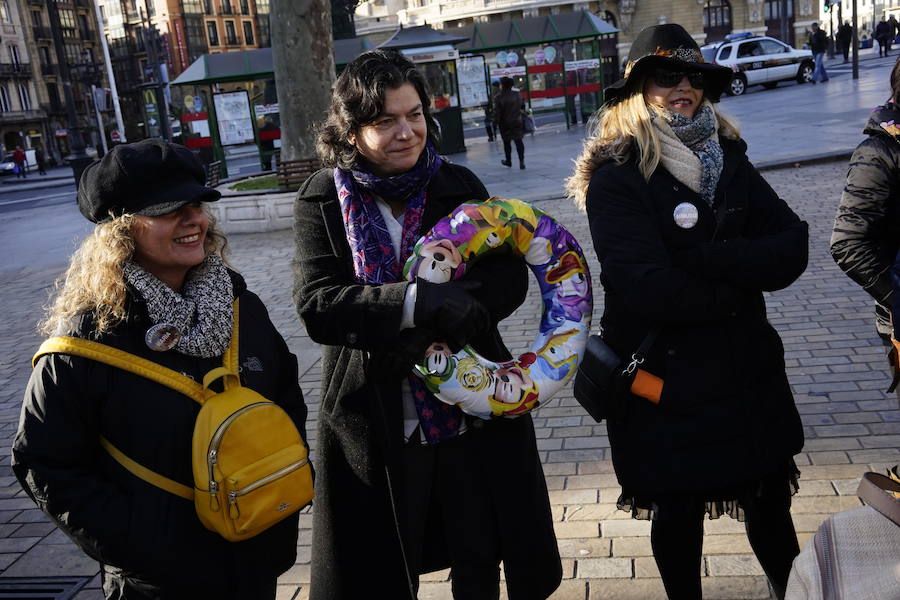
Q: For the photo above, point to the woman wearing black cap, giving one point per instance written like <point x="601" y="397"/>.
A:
<point x="689" y="235"/>
<point x="152" y="264"/>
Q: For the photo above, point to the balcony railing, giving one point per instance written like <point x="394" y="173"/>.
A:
<point x="36" y="2"/>
<point x="42" y="33"/>
<point x="15" y="70"/>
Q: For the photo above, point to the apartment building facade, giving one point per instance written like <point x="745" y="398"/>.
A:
<point x="32" y="102"/>
<point x="153" y="41"/>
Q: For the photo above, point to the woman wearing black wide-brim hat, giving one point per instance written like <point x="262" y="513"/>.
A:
<point x="689" y="235"/>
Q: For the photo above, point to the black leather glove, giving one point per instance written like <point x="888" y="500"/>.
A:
<point x="450" y="311"/>
<point x="397" y="359"/>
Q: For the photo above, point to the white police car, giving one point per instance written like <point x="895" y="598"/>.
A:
<point x="759" y="59"/>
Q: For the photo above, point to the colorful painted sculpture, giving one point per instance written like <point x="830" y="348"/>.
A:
<point x="481" y="387"/>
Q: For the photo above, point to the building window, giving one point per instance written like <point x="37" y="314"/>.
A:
<point x="230" y="34"/>
<point x="192" y="6"/>
<point x="196" y="40"/>
<point x="213" y="33"/>
<point x="4" y="99"/>
<point x="36" y="19"/>
<point x="5" y="14"/>
<point x="44" y="53"/>
<point x="248" y="33"/>
<point x="13" y="54"/>
<point x="226" y="7"/>
<point x="245" y="7"/>
<point x="262" y="7"/>
<point x="207" y="7"/>
<point x="67" y="23"/>
<point x="24" y="96"/>
<point x="53" y="93"/>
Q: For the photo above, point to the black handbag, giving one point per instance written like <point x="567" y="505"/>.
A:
<point x="603" y="380"/>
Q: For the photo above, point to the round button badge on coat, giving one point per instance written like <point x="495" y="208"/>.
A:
<point x="162" y="337"/>
<point x="686" y="215"/>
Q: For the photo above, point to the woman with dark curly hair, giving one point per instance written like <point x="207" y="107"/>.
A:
<point x="407" y="484"/>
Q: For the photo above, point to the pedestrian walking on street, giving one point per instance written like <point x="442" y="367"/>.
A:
<point x="508" y="107"/>
<point x="39" y="159"/>
<point x="818" y="43"/>
<point x="689" y="235"/>
<point x="893" y="30"/>
<point x="21" y="162"/>
<point x="866" y="235"/>
<point x="882" y="35"/>
<point x="845" y="39"/>
<point x="489" y="118"/>
<point x="149" y="280"/>
<point x="407" y="484"/>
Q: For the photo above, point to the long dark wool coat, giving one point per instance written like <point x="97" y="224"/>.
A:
<point x="727" y="415"/>
<point x="355" y="549"/>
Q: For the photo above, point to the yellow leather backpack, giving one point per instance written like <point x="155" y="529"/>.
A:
<point x="251" y="468"/>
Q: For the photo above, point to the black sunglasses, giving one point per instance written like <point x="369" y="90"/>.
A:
<point x="667" y="78"/>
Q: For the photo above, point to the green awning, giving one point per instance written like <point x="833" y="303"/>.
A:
<point x="531" y="31"/>
<point x="248" y="65"/>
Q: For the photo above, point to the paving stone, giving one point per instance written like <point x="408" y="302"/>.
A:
<point x="591" y="481"/>
<point x="731" y="543"/>
<point x="603" y="568"/>
<point x="576" y="529"/>
<point x="631" y="546"/>
<point x="577" y="496"/>
<point x="585" y="547"/>
<point x="816" y="488"/>
<point x="731" y="565"/>
<point x="735" y="588"/>
<point x="594" y="512"/>
<point x="624" y="528"/>
<point x="46" y="560"/>
<point x="823" y="504"/>
<point x="626" y="589"/>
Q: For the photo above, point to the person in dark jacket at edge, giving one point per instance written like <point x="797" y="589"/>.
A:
<point x="407" y="484"/>
<point x="154" y="258"/>
<point x="689" y="236"/>
<point x="508" y="107"/>
<point x="866" y="235"/>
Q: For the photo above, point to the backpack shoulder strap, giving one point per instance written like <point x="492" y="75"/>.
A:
<point x="125" y="361"/>
<point x="230" y="359"/>
<point x="142" y="472"/>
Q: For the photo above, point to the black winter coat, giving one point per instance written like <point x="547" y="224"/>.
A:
<point x="354" y="538"/>
<point x="866" y="234"/>
<point x="726" y="416"/>
<point x="112" y="515"/>
<point x="508" y="114"/>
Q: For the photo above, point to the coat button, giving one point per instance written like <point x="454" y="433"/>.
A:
<point x="675" y="187"/>
<point x="477" y="423"/>
<point x="352" y="337"/>
<point x="670" y="352"/>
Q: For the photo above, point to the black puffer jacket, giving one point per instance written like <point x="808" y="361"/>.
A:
<point x="115" y="517"/>
<point x="866" y="233"/>
<point x="727" y="415"/>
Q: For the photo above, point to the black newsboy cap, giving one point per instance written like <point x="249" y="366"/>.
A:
<point x="151" y="177"/>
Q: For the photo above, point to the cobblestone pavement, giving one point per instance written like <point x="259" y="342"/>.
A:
<point x="834" y="359"/>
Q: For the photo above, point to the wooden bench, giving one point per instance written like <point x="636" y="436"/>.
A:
<point x="213" y="173"/>
<point x="292" y="173"/>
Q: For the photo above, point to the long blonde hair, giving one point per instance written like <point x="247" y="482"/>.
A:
<point x="616" y="131"/>
<point x="94" y="280"/>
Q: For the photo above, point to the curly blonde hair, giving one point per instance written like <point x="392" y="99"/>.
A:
<point x="94" y="280"/>
<point x="619" y="129"/>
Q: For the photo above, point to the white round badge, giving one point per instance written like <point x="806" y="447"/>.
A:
<point x="686" y="215"/>
<point x="162" y="337"/>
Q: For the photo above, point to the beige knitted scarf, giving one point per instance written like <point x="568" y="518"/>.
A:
<point x="676" y="157"/>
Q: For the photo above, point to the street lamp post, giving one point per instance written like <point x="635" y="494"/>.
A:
<point x="78" y="158"/>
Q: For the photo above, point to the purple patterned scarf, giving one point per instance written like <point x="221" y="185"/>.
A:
<point x="374" y="261"/>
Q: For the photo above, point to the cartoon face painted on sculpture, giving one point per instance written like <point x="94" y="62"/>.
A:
<point x="559" y="355"/>
<point x="438" y="360"/>
<point x="514" y="390"/>
<point x="440" y="260"/>
<point x="569" y="276"/>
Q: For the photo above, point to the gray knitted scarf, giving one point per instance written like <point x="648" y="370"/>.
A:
<point x="698" y="135"/>
<point x="202" y="312"/>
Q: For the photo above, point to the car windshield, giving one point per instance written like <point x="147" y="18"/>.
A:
<point x="709" y="54"/>
<point x="7" y="158"/>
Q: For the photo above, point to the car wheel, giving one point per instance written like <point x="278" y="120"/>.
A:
<point x="805" y="74"/>
<point x="737" y="86"/>
<point x="770" y="85"/>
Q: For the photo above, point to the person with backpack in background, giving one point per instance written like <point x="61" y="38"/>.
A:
<point x="151" y="280"/>
<point x="508" y="115"/>
<point x="866" y="234"/>
<point x="882" y="35"/>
